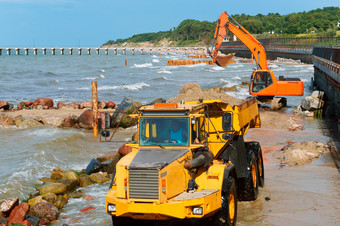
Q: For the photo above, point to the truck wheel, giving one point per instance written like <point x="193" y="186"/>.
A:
<point x="250" y="184"/>
<point x="260" y="167"/>
<point x="120" y="221"/>
<point x="228" y="213"/>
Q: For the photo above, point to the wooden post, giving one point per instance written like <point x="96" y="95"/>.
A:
<point x="95" y="108"/>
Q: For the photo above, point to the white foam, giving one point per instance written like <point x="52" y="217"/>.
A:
<point x="101" y="76"/>
<point x="88" y="78"/>
<point x="217" y="68"/>
<point x="102" y="70"/>
<point x="155" y="61"/>
<point x="136" y="86"/>
<point x="164" y="72"/>
<point x="83" y="88"/>
<point x="142" y="65"/>
<point x="235" y="65"/>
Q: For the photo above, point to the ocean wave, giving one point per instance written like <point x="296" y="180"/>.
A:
<point x="160" y="78"/>
<point x="101" y="76"/>
<point x="217" y="68"/>
<point x="235" y="65"/>
<point x="164" y="72"/>
<point x="143" y="65"/>
<point x="83" y="88"/>
<point x="102" y="70"/>
<point x="136" y="86"/>
<point x="155" y="61"/>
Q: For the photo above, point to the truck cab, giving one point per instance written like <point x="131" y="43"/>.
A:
<point x="184" y="165"/>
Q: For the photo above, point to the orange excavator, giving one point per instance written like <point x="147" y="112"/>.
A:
<point x="263" y="83"/>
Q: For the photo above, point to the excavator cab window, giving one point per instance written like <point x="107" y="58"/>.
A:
<point x="261" y="80"/>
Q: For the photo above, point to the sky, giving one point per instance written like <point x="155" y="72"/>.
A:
<point x="90" y="23"/>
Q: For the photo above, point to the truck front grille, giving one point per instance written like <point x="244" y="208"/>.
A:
<point x="143" y="183"/>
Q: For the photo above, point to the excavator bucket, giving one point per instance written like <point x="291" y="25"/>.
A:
<point x="223" y="61"/>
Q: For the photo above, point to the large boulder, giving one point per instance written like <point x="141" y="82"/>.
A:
<point x="72" y="176"/>
<point x="102" y="105"/>
<point x="110" y="104"/>
<point x="57" y="173"/>
<point x="124" y="149"/>
<point x="6" y="120"/>
<point x="4" y="105"/>
<point x="47" y="212"/>
<point x="93" y="167"/>
<point x="60" y="202"/>
<point x="70" y="121"/>
<point x="85" y="180"/>
<point x="311" y="103"/>
<point x="70" y="106"/>
<point x="127" y="106"/>
<point x="43" y="101"/>
<point x="7" y="205"/>
<point x="19" y="213"/>
<point x="85" y="120"/>
<point x="32" y="202"/>
<point x="52" y="120"/>
<point x="70" y="184"/>
<point x="55" y="188"/>
<point x="86" y="104"/>
<point x="99" y="178"/>
<point x="23" y="122"/>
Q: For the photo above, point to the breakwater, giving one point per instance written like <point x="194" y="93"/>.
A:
<point x="100" y="51"/>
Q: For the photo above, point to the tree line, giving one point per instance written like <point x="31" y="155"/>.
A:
<point x="319" y="22"/>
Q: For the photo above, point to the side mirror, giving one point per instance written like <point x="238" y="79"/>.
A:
<point x="226" y="121"/>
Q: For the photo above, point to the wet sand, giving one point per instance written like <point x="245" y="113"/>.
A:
<point x="299" y="195"/>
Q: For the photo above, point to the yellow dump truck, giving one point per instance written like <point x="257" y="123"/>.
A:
<point x="191" y="162"/>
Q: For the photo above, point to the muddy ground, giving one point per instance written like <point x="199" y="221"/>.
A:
<point x="304" y="191"/>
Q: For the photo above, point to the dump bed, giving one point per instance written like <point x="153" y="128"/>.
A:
<point x="246" y="113"/>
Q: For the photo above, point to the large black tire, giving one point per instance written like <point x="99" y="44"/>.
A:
<point x="121" y="221"/>
<point x="227" y="215"/>
<point x="250" y="186"/>
<point x="256" y="148"/>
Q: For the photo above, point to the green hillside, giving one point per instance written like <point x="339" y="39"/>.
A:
<point x="320" y="22"/>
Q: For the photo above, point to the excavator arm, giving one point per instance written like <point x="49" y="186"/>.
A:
<point x="223" y="24"/>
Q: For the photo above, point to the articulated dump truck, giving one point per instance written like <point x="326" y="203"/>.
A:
<point x="191" y="162"/>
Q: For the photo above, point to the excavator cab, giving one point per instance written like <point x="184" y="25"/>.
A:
<point x="260" y="80"/>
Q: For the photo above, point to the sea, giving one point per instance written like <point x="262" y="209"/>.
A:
<point x="29" y="154"/>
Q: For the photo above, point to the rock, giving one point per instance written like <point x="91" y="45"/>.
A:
<point x="135" y="137"/>
<point x="77" y="194"/>
<point x="46" y="211"/>
<point x="230" y="89"/>
<point x="46" y="180"/>
<point x="102" y="105"/>
<point x="158" y="100"/>
<point x="86" y="104"/>
<point x="3" y="221"/>
<point x="44" y="101"/>
<point x="98" y="178"/>
<point x="4" y="105"/>
<point x="85" y="120"/>
<point x="60" y="202"/>
<point x="127" y="106"/>
<point x="85" y="181"/>
<point x="57" y="173"/>
<point x="108" y="156"/>
<point x="52" y="120"/>
<point x="55" y="188"/>
<point x="20" y="106"/>
<point x="19" y="213"/>
<point x="85" y="209"/>
<point x="110" y="165"/>
<point x="89" y="197"/>
<point x="93" y="167"/>
<point x="70" y="106"/>
<point x="311" y="103"/>
<point x="60" y="105"/>
<point x="33" y="220"/>
<point x="110" y="104"/>
<point x="7" y="205"/>
<point x="23" y="123"/>
<point x="124" y="149"/>
<point x="28" y="104"/>
<point x="70" y="121"/>
<point x="70" y="184"/>
<point x="36" y="200"/>
<point x="51" y="198"/>
<point x="194" y="87"/>
<point x="318" y="94"/>
<point x="72" y="176"/>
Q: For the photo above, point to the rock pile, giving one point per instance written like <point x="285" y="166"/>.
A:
<point x="43" y="207"/>
<point x="296" y="154"/>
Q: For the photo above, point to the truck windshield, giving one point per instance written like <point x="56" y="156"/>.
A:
<point x="171" y="131"/>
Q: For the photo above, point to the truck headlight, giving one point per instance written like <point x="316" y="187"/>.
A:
<point x="111" y="208"/>
<point x="197" y="210"/>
